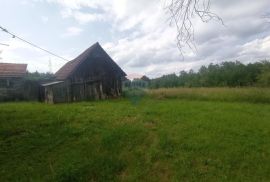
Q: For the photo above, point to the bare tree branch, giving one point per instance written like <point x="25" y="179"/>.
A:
<point x="181" y="14"/>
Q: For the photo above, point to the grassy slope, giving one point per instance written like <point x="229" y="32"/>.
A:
<point x="155" y="140"/>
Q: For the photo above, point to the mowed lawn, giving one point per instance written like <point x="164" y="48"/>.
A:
<point x="148" y="140"/>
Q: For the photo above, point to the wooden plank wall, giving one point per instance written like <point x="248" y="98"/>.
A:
<point x="13" y="89"/>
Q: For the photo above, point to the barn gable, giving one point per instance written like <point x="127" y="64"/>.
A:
<point x="95" y="52"/>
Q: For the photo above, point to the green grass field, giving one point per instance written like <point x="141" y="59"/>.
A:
<point x="156" y="138"/>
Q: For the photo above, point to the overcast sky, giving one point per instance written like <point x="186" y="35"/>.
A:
<point x="136" y="34"/>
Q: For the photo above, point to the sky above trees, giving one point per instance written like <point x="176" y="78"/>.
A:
<point x="136" y="34"/>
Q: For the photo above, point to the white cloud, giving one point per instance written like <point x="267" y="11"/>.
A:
<point x="87" y="17"/>
<point x="142" y="40"/>
<point x="258" y="48"/>
<point x="75" y="4"/>
<point x="151" y="46"/>
<point x="83" y="18"/>
<point x="37" y="60"/>
<point x="44" y="19"/>
<point x="72" y="31"/>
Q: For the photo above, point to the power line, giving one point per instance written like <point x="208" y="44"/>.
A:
<point x="4" y="44"/>
<point x="32" y="44"/>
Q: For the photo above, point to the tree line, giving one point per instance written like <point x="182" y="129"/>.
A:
<point x="225" y="74"/>
<point x="39" y="77"/>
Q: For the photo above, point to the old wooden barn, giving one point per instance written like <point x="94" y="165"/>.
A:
<point x="11" y="81"/>
<point x="92" y="75"/>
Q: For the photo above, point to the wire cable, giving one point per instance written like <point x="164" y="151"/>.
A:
<point x="4" y="44"/>
<point x="32" y="44"/>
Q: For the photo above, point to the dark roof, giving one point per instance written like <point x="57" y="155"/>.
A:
<point x="64" y="72"/>
<point x="12" y="70"/>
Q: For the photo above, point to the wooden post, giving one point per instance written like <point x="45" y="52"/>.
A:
<point x="101" y="91"/>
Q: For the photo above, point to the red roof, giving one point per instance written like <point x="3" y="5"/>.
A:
<point x="12" y="70"/>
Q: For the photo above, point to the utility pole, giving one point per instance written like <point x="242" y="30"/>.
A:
<point x="50" y="65"/>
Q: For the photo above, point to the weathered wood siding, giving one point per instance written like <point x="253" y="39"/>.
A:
<point x="31" y="90"/>
<point x="11" y="89"/>
<point x="94" y="80"/>
<point x="57" y="93"/>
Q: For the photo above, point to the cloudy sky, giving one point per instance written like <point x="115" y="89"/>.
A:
<point x="136" y="34"/>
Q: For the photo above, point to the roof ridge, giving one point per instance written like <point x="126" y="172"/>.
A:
<point x="72" y="65"/>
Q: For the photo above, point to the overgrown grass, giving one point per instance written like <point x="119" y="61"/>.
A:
<point x="134" y="94"/>
<point x="254" y="95"/>
<point x="152" y="140"/>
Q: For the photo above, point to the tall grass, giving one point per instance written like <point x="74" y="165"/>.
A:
<point x="254" y="95"/>
<point x="154" y="140"/>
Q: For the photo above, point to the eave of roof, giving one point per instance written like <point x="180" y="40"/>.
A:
<point x="12" y="70"/>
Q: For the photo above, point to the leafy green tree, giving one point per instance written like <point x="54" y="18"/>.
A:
<point x="264" y="76"/>
<point x="41" y="77"/>
<point x="226" y="74"/>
